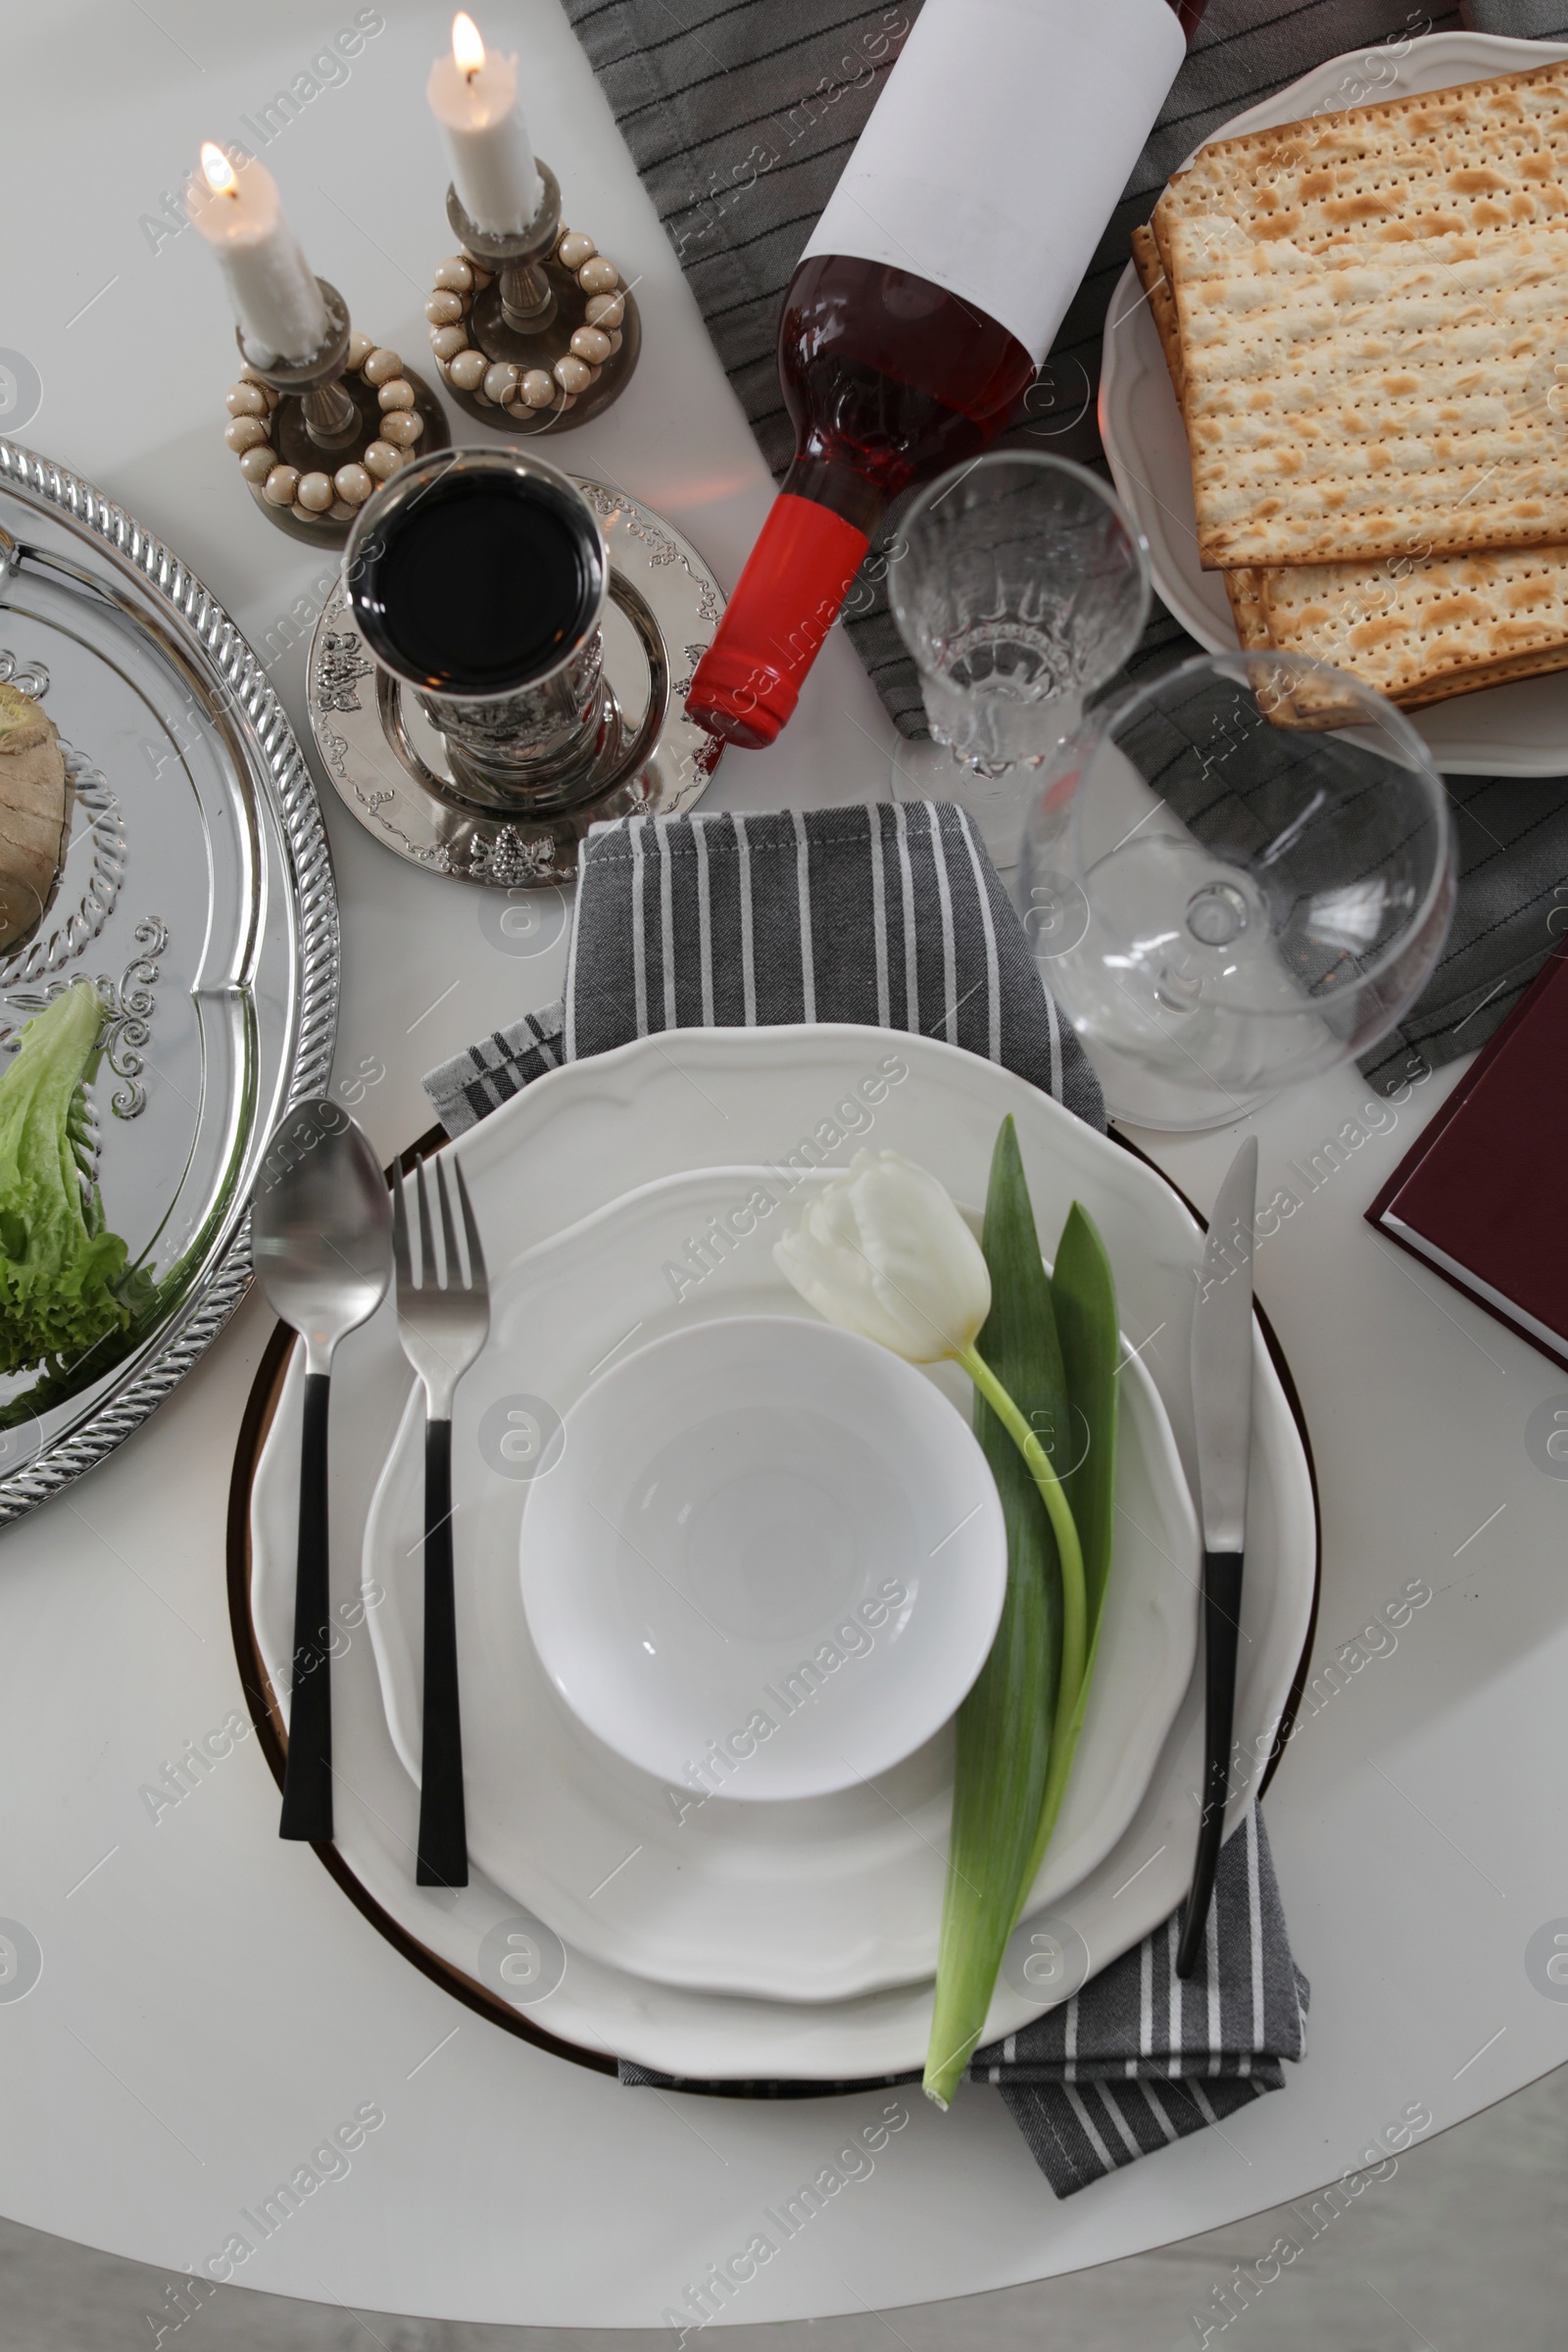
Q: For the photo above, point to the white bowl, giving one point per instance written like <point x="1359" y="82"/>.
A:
<point x="770" y="1562"/>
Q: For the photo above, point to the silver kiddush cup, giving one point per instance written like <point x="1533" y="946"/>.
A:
<point x="478" y="578"/>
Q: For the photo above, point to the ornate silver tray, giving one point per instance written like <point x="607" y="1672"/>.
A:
<point x="197" y="890"/>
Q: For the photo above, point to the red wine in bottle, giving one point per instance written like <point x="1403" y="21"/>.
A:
<point x="931" y="289"/>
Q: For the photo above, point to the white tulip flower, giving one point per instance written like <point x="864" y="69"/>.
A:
<point x="882" y="1252"/>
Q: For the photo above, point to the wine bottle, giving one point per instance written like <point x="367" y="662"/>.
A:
<point x="930" y="290"/>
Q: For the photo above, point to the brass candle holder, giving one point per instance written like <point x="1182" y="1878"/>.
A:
<point x="317" y="437"/>
<point x="534" y="332"/>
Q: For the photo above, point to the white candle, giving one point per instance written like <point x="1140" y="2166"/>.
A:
<point x="473" y="97"/>
<point x="277" y="299"/>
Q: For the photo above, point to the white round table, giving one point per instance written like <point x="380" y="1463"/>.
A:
<point x="209" y="2007"/>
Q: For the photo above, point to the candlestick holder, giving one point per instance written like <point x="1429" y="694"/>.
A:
<point x="534" y="332"/>
<point x="315" y="437"/>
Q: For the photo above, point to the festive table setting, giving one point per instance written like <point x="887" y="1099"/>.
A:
<point x="819" y="1344"/>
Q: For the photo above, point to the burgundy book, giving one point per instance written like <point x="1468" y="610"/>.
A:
<point x="1480" y="1196"/>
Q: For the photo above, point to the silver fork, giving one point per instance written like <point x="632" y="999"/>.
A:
<point x="442" y="1326"/>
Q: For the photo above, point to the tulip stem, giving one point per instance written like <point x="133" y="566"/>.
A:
<point x="1060" y="1512"/>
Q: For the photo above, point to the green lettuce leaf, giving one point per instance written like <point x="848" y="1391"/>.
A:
<point x="62" y="1275"/>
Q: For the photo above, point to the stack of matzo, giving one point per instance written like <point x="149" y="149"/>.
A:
<point x="1364" y="317"/>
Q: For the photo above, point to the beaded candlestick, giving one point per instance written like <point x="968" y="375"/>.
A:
<point x="532" y="332"/>
<point x="315" y="437"/>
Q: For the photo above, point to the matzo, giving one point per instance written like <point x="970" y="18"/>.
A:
<point x="1161" y="305"/>
<point x="1420" y="646"/>
<point x="1489" y="155"/>
<point x="1438" y="621"/>
<point x="1470" y="681"/>
<point x="1241" y="584"/>
<point x="1365" y="401"/>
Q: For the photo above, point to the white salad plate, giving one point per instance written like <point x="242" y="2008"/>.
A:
<point x="571" y="1144"/>
<point x="1517" y="731"/>
<point x="818" y="1899"/>
<point x="742" y="1511"/>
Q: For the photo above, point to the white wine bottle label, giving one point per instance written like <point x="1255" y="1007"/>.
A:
<point x="1001" y="146"/>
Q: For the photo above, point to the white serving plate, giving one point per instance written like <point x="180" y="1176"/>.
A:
<point x="824" y="1898"/>
<point x="571" y="1142"/>
<point x="1517" y="731"/>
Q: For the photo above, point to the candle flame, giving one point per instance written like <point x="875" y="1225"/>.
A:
<point x="468" y="49"/>
<point x="217" y="170"/>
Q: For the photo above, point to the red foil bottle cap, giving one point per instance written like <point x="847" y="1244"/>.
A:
<point x="785" y="601"/>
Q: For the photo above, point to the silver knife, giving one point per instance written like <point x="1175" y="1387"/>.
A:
<point x="1222" y="1409"/>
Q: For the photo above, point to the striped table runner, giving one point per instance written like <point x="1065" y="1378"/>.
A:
<point x="739" y="115"/>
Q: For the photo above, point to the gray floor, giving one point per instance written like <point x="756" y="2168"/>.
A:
<point x="1466" y="2245"/>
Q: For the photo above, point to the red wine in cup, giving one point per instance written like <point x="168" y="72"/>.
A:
<point x="928" y="294"/>
<point x="480" y="586"/>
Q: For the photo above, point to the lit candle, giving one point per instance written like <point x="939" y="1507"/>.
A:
<point x="473" y="96"/>
<point x="277" y="299"/>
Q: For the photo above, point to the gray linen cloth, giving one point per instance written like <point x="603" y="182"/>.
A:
<point x="1137" y="2060"/>
<point x="890" y="914"/>
<point x="739" y="115"/>
<point x="893" y="915"/>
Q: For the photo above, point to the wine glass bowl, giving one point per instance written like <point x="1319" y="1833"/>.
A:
<point x="1020" y="588"/>
<point x="1237" y="876"/>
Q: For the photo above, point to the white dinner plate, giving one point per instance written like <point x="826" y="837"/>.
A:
<point x="1517" y="731"/>
<point x="567" y="1145"/>
<point x="816" y="1899"/>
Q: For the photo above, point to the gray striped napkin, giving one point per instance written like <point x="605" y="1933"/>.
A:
<point x="893" y="915"/>
<point x="1137" y="2059"/>
<point x="739" y="115"/>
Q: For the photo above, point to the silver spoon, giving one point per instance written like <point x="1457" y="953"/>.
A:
<point x="321" y="1241"/>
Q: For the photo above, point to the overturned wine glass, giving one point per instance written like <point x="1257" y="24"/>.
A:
<point x="1238" y="875"/>
<point x="1020" y="588"/>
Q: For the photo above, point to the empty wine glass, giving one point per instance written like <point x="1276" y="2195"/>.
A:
<point x="1020" y="588"/>
<point x="1237" y="876"/>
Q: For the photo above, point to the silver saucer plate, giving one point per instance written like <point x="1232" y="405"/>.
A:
<point x="197" y="891"/>
<point x="390" y="766"/>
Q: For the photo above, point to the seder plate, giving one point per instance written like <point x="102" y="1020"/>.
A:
<point x="196" y="890"/>
<point x="389" y="763"/>
<point x="1515" y="730"/>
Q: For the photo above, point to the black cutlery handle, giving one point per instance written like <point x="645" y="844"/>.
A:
<point x="443" y="1825"/>
<point x="1222" y="1611"/>
<point x="308" y="1773"/>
